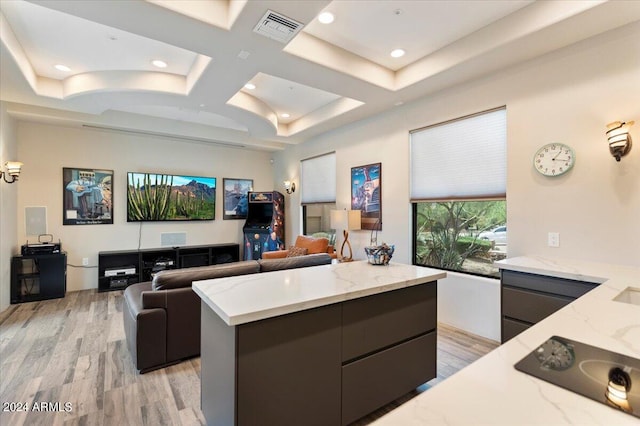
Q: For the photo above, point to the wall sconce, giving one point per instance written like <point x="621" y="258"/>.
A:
<point x="619" y="138"/>
<point x="289" y="186"/>
<point x="13" y="170"/>
<point x="347" y="220"/>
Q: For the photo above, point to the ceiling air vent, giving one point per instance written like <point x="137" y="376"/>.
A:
<point x="277" y="27"/>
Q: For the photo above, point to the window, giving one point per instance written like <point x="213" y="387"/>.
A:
<point x="316" y="220"/>
<point x="318" y="194"/>
<point x="458" y="191"/>
<point x="460" y="235"/>
<point x="318" y="179"/>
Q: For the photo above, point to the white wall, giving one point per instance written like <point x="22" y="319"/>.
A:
<point x="46" y="149"/>
<point x="568" y="96"/>
<point x="8" y="199"/>
<point x="471" y="304"/>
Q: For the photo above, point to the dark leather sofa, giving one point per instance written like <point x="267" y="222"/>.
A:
<point x="162" y="317"/>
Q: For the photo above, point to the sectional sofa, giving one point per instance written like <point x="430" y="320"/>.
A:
<point x="162" y="316"/>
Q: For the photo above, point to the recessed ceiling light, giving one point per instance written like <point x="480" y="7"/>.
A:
<point x="285" y="115"/>
<point x="158" y="63"/>
<point x="397" y="53"/>
<point x="61" y="67"/>
<point x="249" y="86"/>
<point x="326" y="17"/>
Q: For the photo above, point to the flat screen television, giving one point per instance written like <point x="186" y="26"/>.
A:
<point x="160" y="197"/>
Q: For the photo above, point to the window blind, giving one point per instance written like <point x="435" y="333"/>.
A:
<point x="318" y="179"/>
<point x="460" y="159"/>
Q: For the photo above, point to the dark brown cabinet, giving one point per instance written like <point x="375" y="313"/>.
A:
<point x="530" y="298"/>
<point x="388" y="347"/>
<point x="38" y="277"/>
<point x="325" y="366"/>
<point x="118" y="269"/>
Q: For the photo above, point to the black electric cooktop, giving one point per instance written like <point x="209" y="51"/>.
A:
<point x="604" y="376"/>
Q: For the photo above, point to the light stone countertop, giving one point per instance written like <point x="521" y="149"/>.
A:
<point x="491" y="391"/>
<point x="253" y="297"/>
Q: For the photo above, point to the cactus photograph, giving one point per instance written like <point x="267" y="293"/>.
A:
<point x="159" y="197"/>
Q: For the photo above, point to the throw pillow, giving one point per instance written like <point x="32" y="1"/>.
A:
<point x="314" y="245"/>
<point x="297" y="251"/>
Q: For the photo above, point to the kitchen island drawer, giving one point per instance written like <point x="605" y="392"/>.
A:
<point x="376" y="322"/>
<point x="373" y="381"/>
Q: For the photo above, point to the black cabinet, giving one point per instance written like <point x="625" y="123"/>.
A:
<point x="38" y="277"/>
<point x="118" y="269"/>
<point x="529" y="298"/>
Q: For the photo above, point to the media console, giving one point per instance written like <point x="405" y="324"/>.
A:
<point x="120" y="268"/>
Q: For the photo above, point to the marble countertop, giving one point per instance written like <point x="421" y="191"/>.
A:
<point x="253" y="297"/>
<point x="492" y="392"/>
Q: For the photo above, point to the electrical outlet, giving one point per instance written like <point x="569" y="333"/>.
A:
<point x="553" y="239"/>
<point x="85" y="261"/>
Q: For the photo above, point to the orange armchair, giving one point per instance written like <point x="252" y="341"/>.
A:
<point x="313" y="245"/>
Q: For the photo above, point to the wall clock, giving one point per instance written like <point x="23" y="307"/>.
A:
<point x="554" y="159"/>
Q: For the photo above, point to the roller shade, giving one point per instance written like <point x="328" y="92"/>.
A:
<point x="460" y="159"/>
<point x="318" y="179"/>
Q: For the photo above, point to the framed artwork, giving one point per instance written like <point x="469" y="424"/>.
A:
<point x="87" y="196"/>
<point x="366" y="194"/>
<point x="236" y="203"/>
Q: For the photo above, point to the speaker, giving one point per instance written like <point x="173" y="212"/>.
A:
<point x="35" y="219"/>
<point x="173" y="239"/>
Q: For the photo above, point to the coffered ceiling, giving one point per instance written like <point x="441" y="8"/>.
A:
<point x="265" y="74"/>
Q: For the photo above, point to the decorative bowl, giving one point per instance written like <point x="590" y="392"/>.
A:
<point x="379" y="255"/>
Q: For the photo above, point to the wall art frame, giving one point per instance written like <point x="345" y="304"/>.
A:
<point x="87" y="196"/>
<point x="235" y="201"/>
<point x="366" y="194"/>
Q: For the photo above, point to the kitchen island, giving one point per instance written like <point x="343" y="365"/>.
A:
<point x="492" y="392"/>
<point x="323" y="345"/>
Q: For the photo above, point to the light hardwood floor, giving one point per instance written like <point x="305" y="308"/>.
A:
<point x="72" y="351"/>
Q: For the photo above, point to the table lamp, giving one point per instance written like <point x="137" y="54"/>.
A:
<point x="347" y="220"/>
